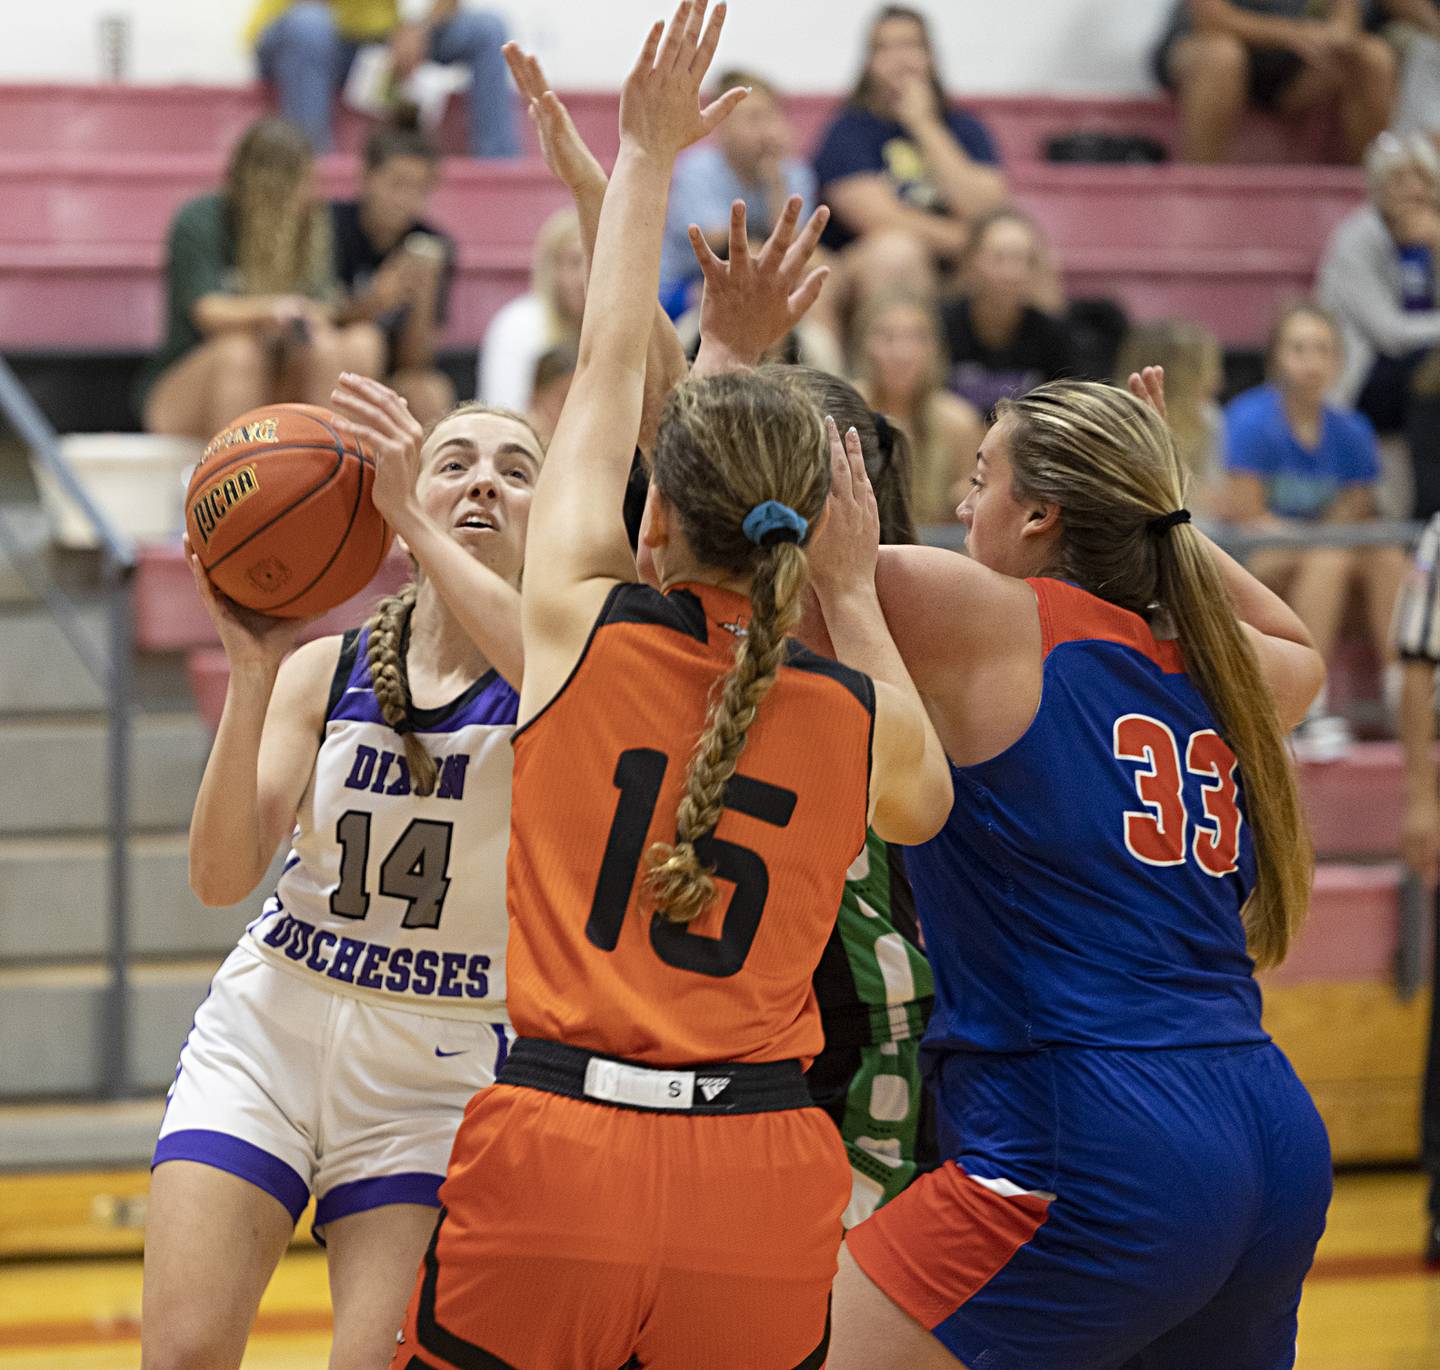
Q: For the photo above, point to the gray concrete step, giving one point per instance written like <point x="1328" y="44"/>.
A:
<point x="40" y="672"/>
<point x="52" y="1024"/>
<point x="54" y="900"/>
<point x="52" y="1136"/>
<point x="55" y="773"/>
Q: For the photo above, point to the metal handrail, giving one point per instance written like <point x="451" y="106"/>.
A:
<point x="110" y="662"/>
<point x="1240" y="541"/>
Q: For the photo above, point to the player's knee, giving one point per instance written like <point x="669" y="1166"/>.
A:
<point x="178" y="1343"/>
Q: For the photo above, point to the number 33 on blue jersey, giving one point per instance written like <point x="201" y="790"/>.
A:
<point x="1157" y="833"/>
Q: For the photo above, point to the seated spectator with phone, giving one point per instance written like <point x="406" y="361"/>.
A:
<point x="251" y="294"/>
<point x="395" y="268"/>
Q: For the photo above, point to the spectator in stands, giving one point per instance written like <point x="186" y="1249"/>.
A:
<point x="1294" y="462"/>
<point x="250" y="317"/>
<point x="900" y="370"/>
<point x="1378" y="275"/>
<point x="904" y="174"/>
<point x="554" y="371"/>
<point x="1194" y="372"/>
<point x="305" y="49"/>
<point x="751" y="158"/>
<point x="1417" y="622"/>
<point x="395" y="268"/>
<point x="546" y="315"/>
<point x="1414" y="31"/>
<point x="1289" y="56"/>
<point x="1000" y="344"/>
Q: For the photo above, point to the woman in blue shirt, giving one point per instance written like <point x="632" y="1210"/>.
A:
<point x="1294" y="460"/>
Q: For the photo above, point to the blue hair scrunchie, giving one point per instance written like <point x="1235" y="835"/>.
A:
<point x="770" y="522"/>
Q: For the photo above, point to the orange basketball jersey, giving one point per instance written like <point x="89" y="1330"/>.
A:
<point x="599" y="774"/>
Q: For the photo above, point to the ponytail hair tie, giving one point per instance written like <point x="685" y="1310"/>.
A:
<point x="1158" y="527"/>
<point x="770" y="522"/>
<point x="884" y="435"/>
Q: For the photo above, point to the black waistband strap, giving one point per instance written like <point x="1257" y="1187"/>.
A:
<point x="709" y="1089"/>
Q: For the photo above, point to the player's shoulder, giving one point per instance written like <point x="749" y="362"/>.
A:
<point x="817" y="667"/>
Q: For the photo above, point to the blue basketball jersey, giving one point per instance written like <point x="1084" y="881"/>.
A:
<point x="1087" y="888"/>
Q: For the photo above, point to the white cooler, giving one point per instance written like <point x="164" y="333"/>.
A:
<point x="137" y="480"/>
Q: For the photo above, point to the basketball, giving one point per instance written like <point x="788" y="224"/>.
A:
<point x="279" y="512"/>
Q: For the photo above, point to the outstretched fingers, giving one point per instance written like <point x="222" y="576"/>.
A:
<point x="676" y="42"/>
<point x="718" y="111"/>
<point x="645" y="63"/>
<point x="711" y="267"/>
<point x="800" y="300"/>
<point x="709" y="40"/>
<point x="739" y="240"/>
<point x="804" y="246"/>
<point x="781" y="236"/>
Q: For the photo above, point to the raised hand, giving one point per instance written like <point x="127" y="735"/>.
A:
<point x="754" y="299"/>
<point x="383" y="423"/>
<point x="1148" y="386"/>
<point x="843" y="554"/>
<point x="660" y="101"/>
<point x="570" y="161"/>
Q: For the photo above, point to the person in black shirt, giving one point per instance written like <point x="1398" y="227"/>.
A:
<point x="1000" y="344"/>
<point x="395" y="268"/>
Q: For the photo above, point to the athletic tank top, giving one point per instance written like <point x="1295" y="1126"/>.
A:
<point x="1087" y="887"/>
<point x="599" y="774"/>
<point x="873" y="982"/>
<point x="386" y="893"/>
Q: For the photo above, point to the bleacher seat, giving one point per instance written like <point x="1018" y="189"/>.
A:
<point x="169" y="616"/>
<point x="93" y="175"/>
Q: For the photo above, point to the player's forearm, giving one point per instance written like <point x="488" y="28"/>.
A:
<point x="226" y="845"/>
<point x="1421" y="13"/>
<point x="665" y="362"/>
<point x="1417" y="730"/>
<point x="484" y="605"/>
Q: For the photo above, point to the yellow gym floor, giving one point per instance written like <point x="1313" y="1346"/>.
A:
<point x="1369" y="1304"/>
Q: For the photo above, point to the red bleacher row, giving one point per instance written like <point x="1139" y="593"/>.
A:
<point x="90" y="177"/>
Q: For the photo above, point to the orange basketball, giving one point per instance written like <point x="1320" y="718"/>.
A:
<point x="279" y="512"/>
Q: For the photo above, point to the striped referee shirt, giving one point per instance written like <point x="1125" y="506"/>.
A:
<point x="1417" y="615"/>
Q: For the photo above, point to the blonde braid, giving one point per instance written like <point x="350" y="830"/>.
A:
<point x="391" y="684"/>
<point x="681" y="887"/>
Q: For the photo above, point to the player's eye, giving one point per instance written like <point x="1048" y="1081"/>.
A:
<point x="975" y="483"/>
<point x="521" y="473"/>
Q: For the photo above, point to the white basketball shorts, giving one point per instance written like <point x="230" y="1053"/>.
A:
<point x="301" y="1089"/>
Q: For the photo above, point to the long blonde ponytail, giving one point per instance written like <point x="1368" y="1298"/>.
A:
<point x="1109" y="463"/>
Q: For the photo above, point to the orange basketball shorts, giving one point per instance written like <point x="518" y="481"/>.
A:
<point x="577" y="1235"/>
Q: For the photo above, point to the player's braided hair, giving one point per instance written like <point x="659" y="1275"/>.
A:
<point x="389" y="632"/>
<point x="726" y="444"/>
<point x="1109" y="463"/>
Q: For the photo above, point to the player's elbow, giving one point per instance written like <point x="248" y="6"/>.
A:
<point x="216" y="884"/>
<point x="920" y="806"/>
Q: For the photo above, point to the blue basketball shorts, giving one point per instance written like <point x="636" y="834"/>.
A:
<point x="1111" y="1210"/>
